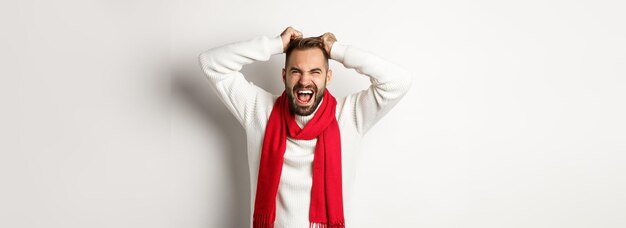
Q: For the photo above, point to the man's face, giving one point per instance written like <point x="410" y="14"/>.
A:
<point x="305" y="75"/>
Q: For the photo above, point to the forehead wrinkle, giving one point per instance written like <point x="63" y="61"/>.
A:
<point x="306" y="68"/>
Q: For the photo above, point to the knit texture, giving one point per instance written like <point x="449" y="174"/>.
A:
<point x="251" y="106"/>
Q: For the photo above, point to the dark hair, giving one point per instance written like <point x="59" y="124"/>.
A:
<point x="306" y="43"/>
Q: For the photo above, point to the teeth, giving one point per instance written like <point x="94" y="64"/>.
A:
<point x="305" y="92"/>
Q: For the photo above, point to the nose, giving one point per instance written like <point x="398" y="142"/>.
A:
<point x="305" y="78"/>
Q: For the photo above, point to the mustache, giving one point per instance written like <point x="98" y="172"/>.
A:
<point x="300" y="86"/>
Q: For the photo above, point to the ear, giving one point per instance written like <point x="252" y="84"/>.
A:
<point x="284" y="75"/>
<point x="329" y="75"/>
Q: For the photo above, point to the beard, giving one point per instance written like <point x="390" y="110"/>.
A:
<point x="305" y="110"/>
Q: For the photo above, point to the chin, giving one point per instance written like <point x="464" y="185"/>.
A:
<point x="303" y="110"/>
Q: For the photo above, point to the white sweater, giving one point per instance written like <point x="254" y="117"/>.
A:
<point x="252" y="106"/>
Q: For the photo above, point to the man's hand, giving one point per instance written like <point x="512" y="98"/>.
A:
<point x="329" y="39"/>
<point x="288" y="35"/>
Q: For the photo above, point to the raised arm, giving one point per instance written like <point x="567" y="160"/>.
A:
<point x="389" y="82"/>
<point x="221" y="66"/>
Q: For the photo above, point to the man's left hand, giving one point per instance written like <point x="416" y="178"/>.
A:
<point x="329" y="39"/>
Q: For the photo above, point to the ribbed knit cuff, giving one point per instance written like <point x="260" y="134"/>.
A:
<point x="338" y="51"/>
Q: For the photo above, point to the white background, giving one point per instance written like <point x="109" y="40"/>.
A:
<point x="515" y="117"/>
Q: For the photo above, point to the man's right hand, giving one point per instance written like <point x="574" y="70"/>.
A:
<point x="288" y="35"/>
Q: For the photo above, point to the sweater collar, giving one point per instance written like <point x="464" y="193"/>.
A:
<point x="303" y="120"/>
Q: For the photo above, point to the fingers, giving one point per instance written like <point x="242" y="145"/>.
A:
<point x="296" y="35"/>
<point x="331" y="37"/>
<point x="292" y="33"/>
<point x="328" y="39"/>
<point x="289" y="34"/>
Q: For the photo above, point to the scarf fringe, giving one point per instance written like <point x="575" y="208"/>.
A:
<point x="263" y="221"/>
<point x="339" y="224"/>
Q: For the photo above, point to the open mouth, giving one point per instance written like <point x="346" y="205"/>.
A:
<point x="304" y="96"/>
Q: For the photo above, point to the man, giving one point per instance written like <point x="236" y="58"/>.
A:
<point x="303" y="144"/>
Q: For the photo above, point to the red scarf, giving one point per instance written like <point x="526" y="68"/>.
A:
<point x="326" y="208"/>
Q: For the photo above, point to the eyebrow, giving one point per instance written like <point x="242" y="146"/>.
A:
<point x="298" y="69"/>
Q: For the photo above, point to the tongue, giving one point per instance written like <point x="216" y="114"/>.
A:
<point x="304" y="98"/>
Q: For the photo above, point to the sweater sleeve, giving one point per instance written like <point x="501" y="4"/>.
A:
<point x="221" y="65"/>
<point x="389" y="83"/>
